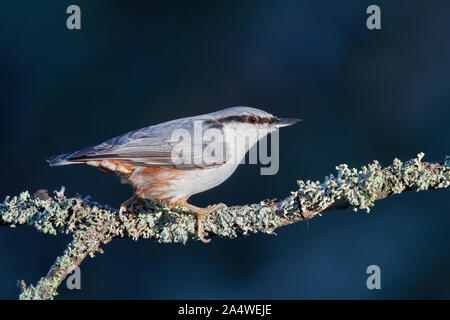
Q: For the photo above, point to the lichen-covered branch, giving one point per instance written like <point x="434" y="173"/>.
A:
<point x="93" y="224"/>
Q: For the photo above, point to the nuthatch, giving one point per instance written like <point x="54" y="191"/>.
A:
<point x="168" y="170"/>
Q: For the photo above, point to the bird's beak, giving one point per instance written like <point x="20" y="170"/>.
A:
<point x="284" y="122"/>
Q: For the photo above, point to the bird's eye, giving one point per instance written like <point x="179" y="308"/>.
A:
<point x="252" y="119"/>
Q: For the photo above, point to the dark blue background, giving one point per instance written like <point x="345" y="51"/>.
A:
<point x="363" y="95"/>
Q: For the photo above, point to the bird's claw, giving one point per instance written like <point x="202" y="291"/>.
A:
<point x="214" y="207"/>
<point x="208" y="210"/>
<point x="202" y="237"/>
<point x="121" y="214"/>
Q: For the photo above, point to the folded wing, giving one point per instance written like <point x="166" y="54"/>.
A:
<point x="153" y="146"/>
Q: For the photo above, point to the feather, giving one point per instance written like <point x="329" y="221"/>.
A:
<point x="150" y="146"/>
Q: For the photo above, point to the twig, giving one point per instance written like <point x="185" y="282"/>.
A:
<point x="93" y="224"/>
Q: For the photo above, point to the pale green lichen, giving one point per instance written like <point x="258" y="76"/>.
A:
<point x="93" y="224"/>
<point x="360" y="188"/>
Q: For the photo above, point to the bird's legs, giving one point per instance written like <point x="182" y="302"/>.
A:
<point x="199" y="214"/>
<point x="124" y="206"/>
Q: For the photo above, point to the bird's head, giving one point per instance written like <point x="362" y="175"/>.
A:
<point x="245" y="119"/>
<point x="242" y="127"/>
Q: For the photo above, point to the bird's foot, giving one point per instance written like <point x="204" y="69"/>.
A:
<point x="199" y="214"/>
<point x="124" y="206"/>
<point x="215" y="207"/>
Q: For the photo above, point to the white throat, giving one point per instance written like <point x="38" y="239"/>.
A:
<point x="240" y="138"/>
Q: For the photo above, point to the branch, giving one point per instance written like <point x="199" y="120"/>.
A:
<point x="93" y="224"/>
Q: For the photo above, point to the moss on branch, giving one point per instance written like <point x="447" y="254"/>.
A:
<point x="93" y="224"/>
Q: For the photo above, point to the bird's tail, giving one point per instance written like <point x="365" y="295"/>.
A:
<point x="61" y="160"/>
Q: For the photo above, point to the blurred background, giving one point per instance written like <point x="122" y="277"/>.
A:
<point x="362" y="94"/>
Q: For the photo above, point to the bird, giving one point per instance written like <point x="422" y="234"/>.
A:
<point x="171" y="161"/>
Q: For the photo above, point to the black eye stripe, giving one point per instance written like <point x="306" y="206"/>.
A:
<point x="229" y="119"/>
<point x="232" y="118"/>
<point x="213" y="124"/>
<point x="268" y="120"/>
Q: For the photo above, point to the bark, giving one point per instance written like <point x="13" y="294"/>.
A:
<point x="93" y="224"/>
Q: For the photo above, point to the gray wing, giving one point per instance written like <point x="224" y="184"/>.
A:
<point x="169" y="145"/>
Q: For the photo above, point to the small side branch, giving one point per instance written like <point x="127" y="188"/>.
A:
<point x="93" y="224"/>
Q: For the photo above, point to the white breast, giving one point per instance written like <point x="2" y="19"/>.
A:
<point x="199" y="180"/>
